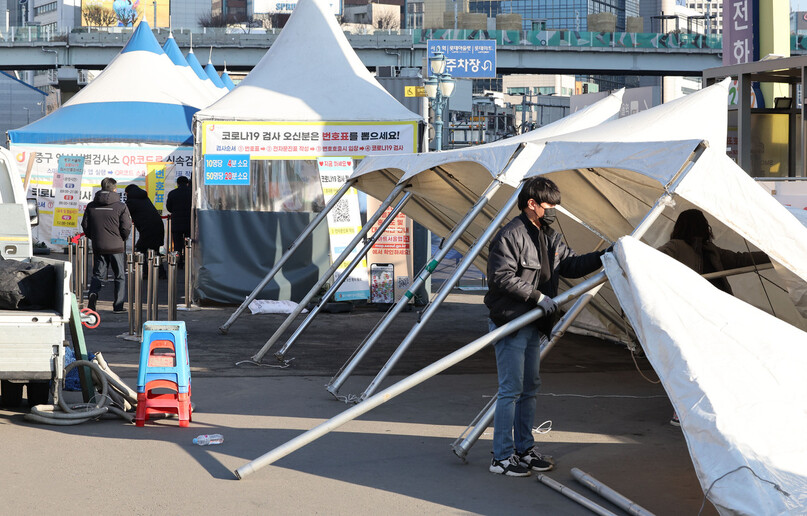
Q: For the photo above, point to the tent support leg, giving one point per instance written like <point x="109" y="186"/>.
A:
<point x="224" y="328"/>
<point x="461" y="445"/>
<point x="465" y="264"/>
<point x="411" y="381"/>
<point x="280" y="355"/>
<point x="609" y="494"/>
<point x="336" y="383"/>
<point x="342" y="257"/>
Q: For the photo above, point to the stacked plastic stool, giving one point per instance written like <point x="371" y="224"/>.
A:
<point x="164" y="366"/>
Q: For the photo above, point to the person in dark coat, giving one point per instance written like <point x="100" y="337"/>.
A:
<point x="525" y="262"/>
<point x="147" y="220"/>
<point x="107" y="223"/>
<point x="178" y="203"/>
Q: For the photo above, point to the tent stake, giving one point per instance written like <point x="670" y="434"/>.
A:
<point x="224" y="328"/>
<point x="609" y="494"/>
<point x="344" y="275"/>
<point x="342" y="257"/>
<point x="411" y="381"/>
<point x="334" y="385"/>
<point x="574" y="495"/>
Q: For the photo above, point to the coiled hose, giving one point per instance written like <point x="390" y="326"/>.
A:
<point x="111" y="402"/>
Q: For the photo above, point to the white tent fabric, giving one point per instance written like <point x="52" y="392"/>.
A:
<point x="734" y="374"/>
<point x="172" y="50"/>
<point x="197" y="68"/>
<point x="292" y="84"/>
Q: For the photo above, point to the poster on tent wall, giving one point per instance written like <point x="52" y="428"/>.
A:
<point x="156" y="175"/>
<point x="344" y="222"/>
<point x="127" y="164"/>
<point x="308" y="140"/>
<point x="67" y="191"/>
<point x="393" y="248"/>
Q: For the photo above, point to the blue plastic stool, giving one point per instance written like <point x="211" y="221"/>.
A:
<point x="164" y="355"/>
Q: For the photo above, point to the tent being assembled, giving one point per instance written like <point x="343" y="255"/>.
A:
<point x="279" y="120"/>
<point x="120" y="122"/>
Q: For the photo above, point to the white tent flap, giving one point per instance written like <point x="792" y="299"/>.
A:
<point x="734" y="374"/>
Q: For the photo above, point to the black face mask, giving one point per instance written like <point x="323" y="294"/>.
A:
<point x="549" y="217"/>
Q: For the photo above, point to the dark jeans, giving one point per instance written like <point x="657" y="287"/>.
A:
<point x="179" y="244"/>
<point x="101" y="263"/>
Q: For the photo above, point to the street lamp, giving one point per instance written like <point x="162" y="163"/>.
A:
<point x="439" y="86"/>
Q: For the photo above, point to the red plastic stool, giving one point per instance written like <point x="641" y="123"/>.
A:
<point x="176" y="402"/>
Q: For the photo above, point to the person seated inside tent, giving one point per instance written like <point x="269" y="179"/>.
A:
<point x="147" y="221"/>
<point x="691" y="243"/>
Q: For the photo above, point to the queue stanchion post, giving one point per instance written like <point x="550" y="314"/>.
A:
<point x="149" y="292"/>
<point x="172" y="287"/>
<point x="71" y="258"/>
<point x="130" y="288"/>
<point x="189" y="307"/>
<point x="139" y="295"/>
<point x="78" y="272"/>
<point x="169" y="241"/>
<point x="154" y="277"/>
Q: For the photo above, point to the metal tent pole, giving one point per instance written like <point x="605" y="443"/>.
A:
<point x="335" y="384"/>
<point x="574" y="495"/>
<point x="609" y="494"/>
<point x="224" y="328"/>
<point x="462" y="445"/>
<point x="324" y="278"/>
<point x="343" y="276"/>
<point x="411" y="381"/>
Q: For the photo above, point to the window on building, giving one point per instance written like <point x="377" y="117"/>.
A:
<point x="523" y="90"/>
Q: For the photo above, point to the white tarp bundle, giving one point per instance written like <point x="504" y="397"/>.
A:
<point x="734" y="374"/>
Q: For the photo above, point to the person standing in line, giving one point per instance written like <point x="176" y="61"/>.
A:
<point x="107" y="223"/>
<point x="178" y="203"/>
<point x="691" y="243"/>
<point x="147" y="221"/>
<point x="525" y="262"/>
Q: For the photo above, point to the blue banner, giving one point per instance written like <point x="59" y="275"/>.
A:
<point x="472" y="59"/>
<point x="226" y="169"/>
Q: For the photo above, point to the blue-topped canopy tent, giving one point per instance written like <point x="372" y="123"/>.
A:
<point x="200" y="72"/>
<point x="226" y="79"/>
<point x="137" y="111"/>
<point x="172" y="50"/>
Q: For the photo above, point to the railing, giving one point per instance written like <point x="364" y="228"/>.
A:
<point x="503" y="38"/>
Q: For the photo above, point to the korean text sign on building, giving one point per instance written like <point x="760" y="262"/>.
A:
<point x="475" y="59"/>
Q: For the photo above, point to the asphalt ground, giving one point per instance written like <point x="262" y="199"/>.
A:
<point x="607" y="419"/>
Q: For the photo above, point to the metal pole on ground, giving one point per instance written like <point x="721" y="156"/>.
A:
<point x="574" y="495"/>
<point x="336" y="383"/>
<point x="343" y="276"/>
<point x="324" y="278"/>
<point x="71" y="257"/>
<point x="609" y="494"/>
<point x="188" y="287"/>
<point x="154" y="277"/>
<point x="149" y="286"/>
<point x="224" y="328"/>
<point x="172" y="287"/>
<point x="130" y="288"/>
<point x="411" y="381"/>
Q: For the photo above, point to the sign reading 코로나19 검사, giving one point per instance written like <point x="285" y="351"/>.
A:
<point x="308" y="140"/>
<point x="226" y="169"/>
<point x="467" y="59"/>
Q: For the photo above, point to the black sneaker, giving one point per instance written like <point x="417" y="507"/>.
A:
<point x="509" y="467"/>
<point x="92" y="299"/>
<point x="533" y="460"/>
<point x="119" y="310"/>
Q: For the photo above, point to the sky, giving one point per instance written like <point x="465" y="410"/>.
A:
<point x="798" y="5"/>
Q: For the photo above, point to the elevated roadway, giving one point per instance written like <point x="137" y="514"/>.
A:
<point x="517" y="51"/>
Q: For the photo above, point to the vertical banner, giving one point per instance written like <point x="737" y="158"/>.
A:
<point x="67" y="192"/>
<point x="156" y="173"/>
<point x="344" y="222"/>
<point x="393" y="248"/>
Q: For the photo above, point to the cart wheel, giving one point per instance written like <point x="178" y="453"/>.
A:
<point x="10" y="393"/>
<point x="90" y="318"/>
<point x="38" y="393"/>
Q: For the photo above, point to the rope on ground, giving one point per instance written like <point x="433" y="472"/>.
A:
<point x="114" y="402"/>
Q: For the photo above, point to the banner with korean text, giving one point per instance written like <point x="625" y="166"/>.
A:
<point x="393" y="248"/>
<point x="67" y="188"/>
<point x="344" y="222"/>
<point x="127" y="164"/>
<point x="308" y="140"/>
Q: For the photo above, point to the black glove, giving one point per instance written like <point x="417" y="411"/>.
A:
<point x="548" y="304"/>
<point x="609" y="249"/>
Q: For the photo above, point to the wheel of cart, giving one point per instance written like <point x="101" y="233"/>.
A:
<point x="90" y="318"/>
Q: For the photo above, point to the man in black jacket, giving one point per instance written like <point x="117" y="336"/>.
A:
<point x="178" y="203"/>
<point x="147" y="221"/>
<point x="525" y="262"/>
<point x="108" y="224"/>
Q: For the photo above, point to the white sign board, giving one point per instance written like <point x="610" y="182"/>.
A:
<point x="281" y="7"/>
